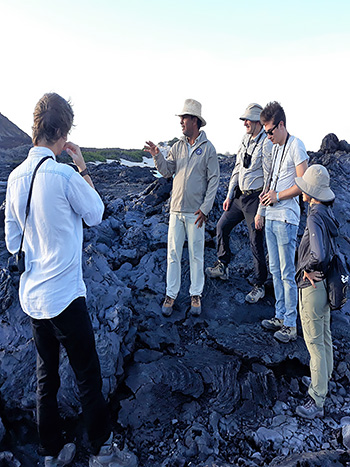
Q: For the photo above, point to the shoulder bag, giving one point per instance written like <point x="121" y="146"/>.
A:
<point x="17" y="263"/>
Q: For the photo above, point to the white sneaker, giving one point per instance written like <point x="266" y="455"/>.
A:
<point x="310" y="410"/>
<point x="65" y="456"/>
<point x="273" y="324"/>
<point x="286" y="334"/>
<point x="219" y="270"/>
<point x="111" y="456"/>
<point x="257" y="292"/>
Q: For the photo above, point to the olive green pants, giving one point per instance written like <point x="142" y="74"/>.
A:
<point x="315" y="320"/>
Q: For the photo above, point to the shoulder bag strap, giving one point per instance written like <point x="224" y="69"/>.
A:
<point x="30" y="195"/>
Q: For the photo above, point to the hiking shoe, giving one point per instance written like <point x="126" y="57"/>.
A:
<point x="196" y="306"/>
<point x="273" y="324"/>
<point x="167" y="307"/>
<point x="286" y="334"/>
<point x="257" y="292"/>
<point x="111" y="456"/>
<point x="65" y="456"/>
<point x="309" y="410"/>
<point x="306" y="380"/>
<point x="219" y="270"/>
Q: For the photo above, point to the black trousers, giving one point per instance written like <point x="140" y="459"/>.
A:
<point x="244" y="207"/>
<point x="72" y="328"/>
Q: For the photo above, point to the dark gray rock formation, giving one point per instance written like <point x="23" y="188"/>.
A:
<point x="10" y="135"/>
<point x="216" y="390"/>
<point x="331" y="144"/>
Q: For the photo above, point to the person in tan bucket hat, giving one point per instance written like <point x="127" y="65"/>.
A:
<point x="194" y="164"/>
<point x="193" y="108"/>
<point x="315" y="183"/>
<point x="242" y="202"/>
<point x="314" y="254"/>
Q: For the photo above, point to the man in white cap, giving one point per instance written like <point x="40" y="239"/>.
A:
<point x="242" y="202"/>
<point x="194" y="164"/>
<point x="289" y="160"/>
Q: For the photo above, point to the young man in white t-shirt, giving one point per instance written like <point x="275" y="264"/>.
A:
<point x="289" y="160"/>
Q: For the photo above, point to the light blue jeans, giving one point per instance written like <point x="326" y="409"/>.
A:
<point x="281" y="244"/>
<point x="181" y="225"/>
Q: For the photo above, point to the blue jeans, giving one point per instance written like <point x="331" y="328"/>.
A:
<point x="72" y="328"/>
<point x="281" y="244"/>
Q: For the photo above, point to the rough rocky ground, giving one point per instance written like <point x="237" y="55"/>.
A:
<point x="210" y="391"/>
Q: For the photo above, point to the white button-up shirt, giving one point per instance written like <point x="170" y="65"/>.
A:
<point x="53" y="237"/>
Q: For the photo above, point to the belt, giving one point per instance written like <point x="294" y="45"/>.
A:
<point x="250" y="192"/>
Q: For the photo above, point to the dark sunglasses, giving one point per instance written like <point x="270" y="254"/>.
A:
<point x="270" y="132"/>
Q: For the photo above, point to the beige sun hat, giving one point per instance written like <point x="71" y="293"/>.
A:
<point x="192" y="107"/>
<point x="315" y="183"/>
<point x="252" y="113"/>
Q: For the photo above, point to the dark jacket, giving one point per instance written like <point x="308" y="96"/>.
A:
<point x="315" y="251"/>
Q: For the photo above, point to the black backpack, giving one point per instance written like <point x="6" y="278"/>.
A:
<point x="337" y="280"/>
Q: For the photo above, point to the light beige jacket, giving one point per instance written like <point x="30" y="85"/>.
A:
<point x="196" y="174"/>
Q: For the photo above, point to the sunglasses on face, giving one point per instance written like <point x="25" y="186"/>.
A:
<point x="270" y="132"/>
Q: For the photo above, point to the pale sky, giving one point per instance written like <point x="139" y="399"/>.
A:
<point x="128" y="65"/>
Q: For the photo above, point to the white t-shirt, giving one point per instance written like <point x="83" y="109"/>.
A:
<point x="283" y="177"/>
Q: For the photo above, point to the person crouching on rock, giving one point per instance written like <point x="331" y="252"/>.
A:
<point x="52" y="291"/>
<point x="313" y="259"/>
<point x="252" y="167"/>
<point x="194" y="164"/>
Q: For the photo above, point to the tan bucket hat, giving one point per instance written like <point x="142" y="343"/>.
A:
<point x="192" y="107"/>
<point x="315" y="183"/>
<point x="252" y="113"/>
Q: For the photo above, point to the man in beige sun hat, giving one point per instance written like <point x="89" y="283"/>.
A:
<point x="194" y="164"/>
<point x="242" y="202"/>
